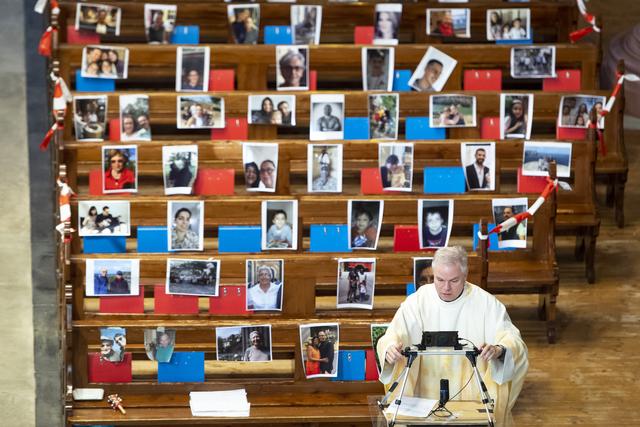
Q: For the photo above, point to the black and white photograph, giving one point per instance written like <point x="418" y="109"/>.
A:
<point x="134" y="118"/>
<point x="383" y="116"/>
<point x="387" y="23"/>
<point x="112" y="277"/>
<point x="534" y="62"/>
<point x="433" y="71"/>
<point x="104" y="218"/>
<point x="272" y="109"/>
<point x="159" y="343"/>
<point x="279" y="225"/>
<point x="422" y="271"/>
<point x="365" y="222"/>
<point x="260" y="161"/>
<point x="198" y="277"/>
<point x="244" y="23"/>
<point x="185" y="221"/>
<point x="98" y="18"/>
<point x="479" y="165"/>
<point x="449" y="23"/>
<point x="452" y="111"/>
<point x="120" y="166"/>
<point x="244" y="343"/>
<point x="324" y="168"/>
<point x="516" y="115"/>
<point x="292" y="67"/>
<point x="327" y="117"/>
<point x="90" y="117"/>
<point x="179" y="168"/>
<point x="200" y="112"/>
<point x="538" y="156"/>
<point x="105" y="62"/>
<point x="356" y="283"/>
<point x="306" y="21"/>
<point x="159" y="22"/>
<point x="435" y="220"/>
<point x="192" y="68"/>
<point x="508" y="24"/>
<point x="265" y="284"/>
<point x="503" y="209"/>
<point x="319" y="345"/>
<point x="377" y="68"/>
<point x="395" y="160"/>
<point x="113" y="344"/>
<point x="575" y="110"/>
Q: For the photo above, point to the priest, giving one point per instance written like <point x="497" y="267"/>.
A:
<point x="453" y="304"/>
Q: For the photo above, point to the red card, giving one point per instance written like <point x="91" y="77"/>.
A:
<point x="114" y="130"/>
<point x="405" y="238"/>
<point x="565" y="81"/>
<point x="370" y="181"/>
<point x="531" y="184"/>
<point x="95" y="182"/>
<point x="363" y="35"/>
<point x="174" y="304"/>
<point x="371" y="369"/>
<point x="81" y="37"/>
<point x="313" y="80"/>
<point x="231" y="300"/>
<point x="210" y="182"/>
<point x="483" y="80"/>
<point x="575" y="134"/>
<point x="103" y="371"/>
<point x="222" y="80"/>
<point x="234" y="128"/>
<point x="123" y="305"/>
<point x="490" y="128"/>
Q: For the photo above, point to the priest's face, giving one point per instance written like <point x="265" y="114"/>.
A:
<point x="449" y="280"/>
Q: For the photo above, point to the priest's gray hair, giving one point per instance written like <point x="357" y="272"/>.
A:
<point x="451" y="255"/>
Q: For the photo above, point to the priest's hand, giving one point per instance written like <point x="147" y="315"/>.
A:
<point x="490" y="352"/>
<point x="393" y="353"/>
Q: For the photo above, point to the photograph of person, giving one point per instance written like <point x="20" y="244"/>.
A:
<point x="435" y="219"/>
<point x="503" y="209"/>
<point x="377" y="331"/>
<point x="433" y="71"/>
<point x="134" y="118"/>
<point x="90" y="117"/>
<point x="112" y="277"/>
<point x="113" y="343"/>
<point x="387" y="23"/>
<point x="159" y="22"/>
<point x="422" y="271"/>
<point x="192" y="68"/>
<point x="396" y="165"/>
<point x="306" y="22"/>
<point x="280" y="224"/>
<point x="508" y="24"/>
<point x="377" y="68"/>
<point x="383" y="116"/>
<point x="244" y="23"/>
<point x="365" y="222"/>
<point x="327" y="117"/>
<point x="103" y="218"/>
<point x="185" y="220"/>
<point x="200" y="112"/>
<point x="292" y="63"/>
<point x="120" y="166"/>
<point x="324" y="168"/>
<point x="451" y="111"/>
<point x="478" y="163"/>
<point x="193" y="277"/>
<point x="575" y="110"/>
<point x="537" y="156"/>
<point x="159" y="343"/>
<point x="533" y="62"/>
<point x="260" y="161"/>
<point x="179" y="168"/>
<point x="98" y="18"/>
<point x="272" y="110"/>
<point x="449" y="22"/>
<point x="356" y="283"/>
<point x="319" y="344"/>
<point x="516" y="115"/>
<point x="244" y="343"/>
<point x="265" y="284"/>
<point x="105" y="62"/>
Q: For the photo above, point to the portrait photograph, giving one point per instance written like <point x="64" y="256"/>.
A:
<point x="104" y="218"/>
<point x="516" y="115"/>
<point x="192" y="68"/>
<point x="105" y="62"/>
<point x="324" y="168"/>
<point x="134" y="118"/>
<point x="538" y="156"/>
<point x="422" y="271"/>
<point x="159" y="22"/>
<point x="273" y="109"/>
<point x="113" y="344"/>
<point x="365" y="222"/>
<point x="292" y="67"/>
<point x="179" y="168"/>
<point x="508" y="24"/>
<point x="265" y="284"/>
<point x="356" y="283"/>
<point x="435" y="220"/>
<point x="451" y="111"/>
<point x="200" y="112"/>
<point x="396" y="165"/>
<point x="433" y="71"/>
<point x="185" y="220"/>
<point x="479" y="165"/>
<point x="537" y="62"/>
<point x="377" y="331"/>
<point x="377" y="68"/>
<point x="387" y="23"/>
<point x="112" y="277"/>
<point x="98" y="18"/>
<point x="198" y="277"/>
<point x="244" y="343"/>
<point x="306" y="21"/>
<point x="159" y="343"/>
<point x="319" y="345"/>
<point x="90" y="117"/>
<point x="449" y="22"/>
<point x="575" y="110"/>
<point x="120" y="166"/>
<point x="244" y="22"/>
<point x="503" y="209"/>
<point x="327" y="117"/>
<point x="279" y="225"/>
<point x="383" y="116"/>
<point x="260" y="161"/>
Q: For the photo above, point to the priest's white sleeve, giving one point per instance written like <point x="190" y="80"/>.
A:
<point x="502" y="370"/>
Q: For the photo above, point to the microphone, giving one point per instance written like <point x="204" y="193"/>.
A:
<point x="444" y="391"/>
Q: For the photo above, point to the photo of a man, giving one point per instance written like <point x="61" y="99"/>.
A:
<point x="505" y="209"/>
<point x="292" y="73"/>
<point x="327" y="116"/>
<point x="377" y="68"/>
<point x="478" y="160"/>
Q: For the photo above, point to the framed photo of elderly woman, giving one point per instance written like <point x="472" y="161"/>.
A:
<point x="273" y="109"/>
<point x="120" y="166"/>
<point x="396" y="165"/>
<point x="98" y="18"/>
<point x="260" y="161"/>
<point x="324" y="168"/>
<point x="435" y="220"/>
<point x="292" y="67"/>
<point x="159" y="22"/>
<point x="280" y="225"/>
<point x="365" y="222"/>
<point x="356" y="283"/>
<point x="433" y="71"/>
<point x="200" y="112"/>
<point x="90" y="117"/>
<point x="305" y="24"/>
<point x="244" y="343"/>
<point x="186" y="225"/>
<point x="112" y="277"/>
<point x="104" y="62"/>
<point x="104" y="218"/>
<point x="319" y="344"/>
<point x="179" y="168"/>
<point x="192" y="68"/>
<point x="265" y="284"/>
<point x="134" y="118"/>
<point x="387" y="23"/>
<point x="193" y="277"/>
<point x="244" y="23"/>
<point x="516" y="115"/>
<point x="377" y="68"/>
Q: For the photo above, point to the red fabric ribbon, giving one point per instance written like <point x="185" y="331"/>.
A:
<point x="47" y="138"/>
<point x="44" y="46"/>
<point x="580" y="34"/>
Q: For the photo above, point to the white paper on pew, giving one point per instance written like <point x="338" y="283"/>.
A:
<point x="228" y="403"/>
<point x="413" y="407"/>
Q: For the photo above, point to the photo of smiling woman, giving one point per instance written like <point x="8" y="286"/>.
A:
<point x="120" y="171"/>
<point x="435" y="219"/>
<point x="186" y="222"/>
<point x="387" y="23"/>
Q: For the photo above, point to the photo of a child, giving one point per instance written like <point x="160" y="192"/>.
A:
<point x="279" y="224"/>
<point x="365" y="218"/>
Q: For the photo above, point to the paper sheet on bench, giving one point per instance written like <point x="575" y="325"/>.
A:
<point x="228" y="403"/>
<point x="412" y="407"/>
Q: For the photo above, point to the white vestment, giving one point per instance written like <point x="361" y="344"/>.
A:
<point x="477" y="316"/>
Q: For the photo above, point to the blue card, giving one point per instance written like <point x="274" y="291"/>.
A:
<point x="88" y="84"/>
<point x="186" y="34"/>
<point x="104" y="244"/>
<point x="184" y="367"/>
<point x="444" y="180"/>
<point x="356" y="128"/>
<point x="239" y="238"/>
<point x="351" y="365"/>
<point x="418" y="128"/>
<point x="493" y="239"/>
<point x="411" y="288"/>
<point x="277" y="34"/>
<point x="401" y="81"/>
<point x="152" y="240"/>
<point x="528" y="40"/>
<point x="329" y="238"/>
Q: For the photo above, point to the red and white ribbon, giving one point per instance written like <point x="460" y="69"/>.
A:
<point x="61" y="96"/>
<point x="621" y="78"/>
<point x="44" y="46"/>
<point x="64" y="202"/>
<point x="41" y="4"/>
<point x="591" y="19"/>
